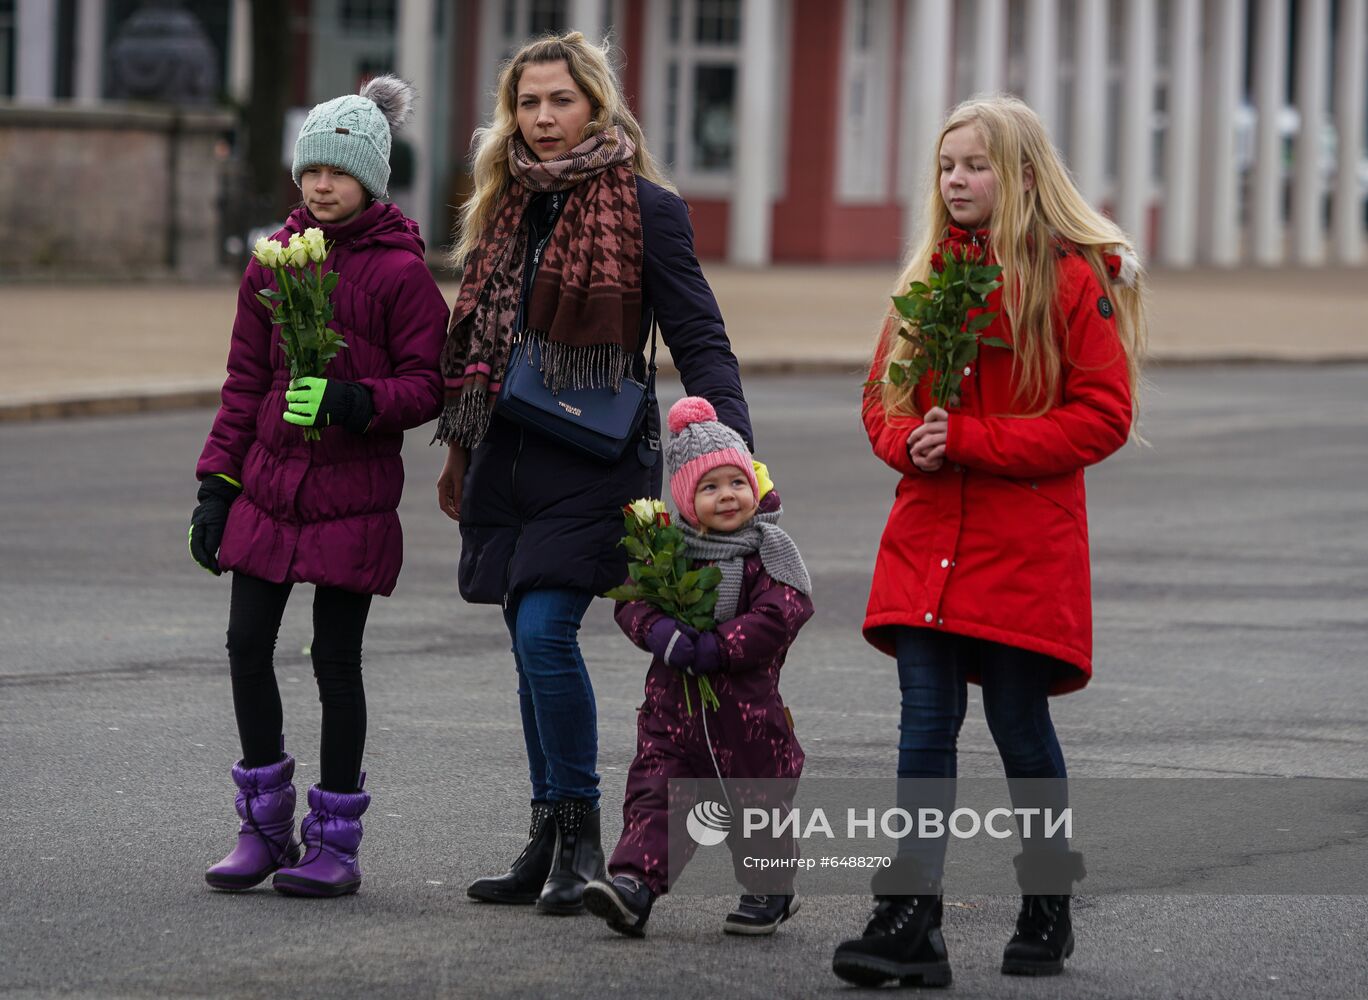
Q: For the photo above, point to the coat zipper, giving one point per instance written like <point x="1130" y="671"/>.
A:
<point x="513" y="493"/>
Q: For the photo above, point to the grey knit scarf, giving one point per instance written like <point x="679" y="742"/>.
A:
<point x="729" y="550"/>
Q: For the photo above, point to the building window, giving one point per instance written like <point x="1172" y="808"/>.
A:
<point x="7" y="48"/>
<point x="365" y="17"/>
<point x="545" y="17"/>
<point x="701" y="77"/>
<point x="866" y="83"/>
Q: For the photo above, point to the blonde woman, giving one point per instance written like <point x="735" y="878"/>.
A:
<point x="982" y="572"/>
<point x="574" y="238"/>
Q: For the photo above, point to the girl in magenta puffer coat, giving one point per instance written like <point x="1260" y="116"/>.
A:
<point x="746" y="740"/>
<point x="277" y="509"/>
<point x="982" y="574"/>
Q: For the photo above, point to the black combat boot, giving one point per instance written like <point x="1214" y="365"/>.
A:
<point x="578" y="857"/>
<point x="1044" y="930"/>
<point x="903" y="939"/>
<point x="523" y="882"/>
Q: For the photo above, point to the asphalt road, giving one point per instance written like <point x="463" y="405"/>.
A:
<point x="1231" y="579"/>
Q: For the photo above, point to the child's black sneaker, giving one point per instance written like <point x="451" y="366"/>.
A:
<point x="624" y="902"/>
<point x="758" y="914"/>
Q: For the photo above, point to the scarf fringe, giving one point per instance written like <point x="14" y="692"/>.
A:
<point x="592" y="366"/>
<point x="465" y="420"/>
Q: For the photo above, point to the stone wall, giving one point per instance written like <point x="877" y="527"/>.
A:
<point x="109" y="192"/>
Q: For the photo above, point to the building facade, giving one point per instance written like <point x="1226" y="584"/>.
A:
<point x="1218" y="132"/>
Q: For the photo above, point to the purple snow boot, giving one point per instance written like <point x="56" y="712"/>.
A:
<point x="332" y="836"/>
<point x="266" y="841"/>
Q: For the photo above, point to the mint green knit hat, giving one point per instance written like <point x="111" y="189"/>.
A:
<point x="353" y="133"/>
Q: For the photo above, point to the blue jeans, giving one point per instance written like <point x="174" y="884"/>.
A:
<point x="559" y="717"/>
<point x="933" y="669"/>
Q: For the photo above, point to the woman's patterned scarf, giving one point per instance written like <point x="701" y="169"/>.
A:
<point x="585" y="300"/>
<point x="729" y="550"/>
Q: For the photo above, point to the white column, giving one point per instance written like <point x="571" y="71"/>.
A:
<point x="925" y="93"/>
<point x="1347" y="221"/>
<point x="1178" y="228"/>
<point x="1219" y="233"/>
<point x="1090" y="98"/>
<point x="586" y="16"/>
<point x="748" y="237"/>
<point x="1308" y="184"/>
<point x="1042" y="59"/>
<point x="35" y="51"/>
<point x="415" y="42"/>
<point x="990" y="45"/>
<point x="90" y="40"/>
<point x="1136" y="152"/>
<point x="1270" y="89"/>
<point x="240" y="52"/>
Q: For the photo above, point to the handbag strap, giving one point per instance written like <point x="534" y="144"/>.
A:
<point x="652" y="433"/>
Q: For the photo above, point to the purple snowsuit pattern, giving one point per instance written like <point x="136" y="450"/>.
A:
<point x="752" y="736"/>
<point x="326" y="512"/>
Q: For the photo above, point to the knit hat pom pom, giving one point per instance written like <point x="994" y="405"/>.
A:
<point x="690" y="410"/>
<point x="393" y="96"/>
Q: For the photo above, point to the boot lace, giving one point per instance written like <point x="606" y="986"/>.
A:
<point x="1038" y="916"/>
<point x="891" y="915"/>
<point x="278" y="850"/>
<point x="311" y="852"/>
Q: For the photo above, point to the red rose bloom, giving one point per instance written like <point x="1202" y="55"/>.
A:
<point x="937" y="262"/>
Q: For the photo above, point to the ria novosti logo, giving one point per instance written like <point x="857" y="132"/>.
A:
<point x="708" y="823"/>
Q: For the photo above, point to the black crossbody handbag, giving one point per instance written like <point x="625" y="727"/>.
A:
<point x="596" y="422"/>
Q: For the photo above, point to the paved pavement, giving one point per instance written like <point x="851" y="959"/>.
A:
<point x="90" y="348"/>
<point x="1229" y="574"/>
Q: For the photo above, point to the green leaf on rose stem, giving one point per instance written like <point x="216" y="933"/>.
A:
<point x="996" y="342"/>
<point x="897" y="373"/>
<point x="691" y="596"/>
<point x="681" y="566"/>
<point x="906" y="305"/>
<point x="635" y="547"/>
<point x="689" y="580"/>
<point x="623" y="593"/>
<point x="981" y="321"/>
<point x="709" y="577"/>
<point x="707" y="602"/>
<point x="330" y="281"/>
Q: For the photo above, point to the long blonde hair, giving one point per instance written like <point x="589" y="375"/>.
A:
<point x="593" y="74"/>
<point x="1022" y="230"/>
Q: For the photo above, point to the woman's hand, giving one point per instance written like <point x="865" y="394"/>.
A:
<point x="926" y="444"/>
<point x="451" y="480"/>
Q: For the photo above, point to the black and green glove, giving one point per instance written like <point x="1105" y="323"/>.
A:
<point x="329" y="402"/>
<point x="216" y="495"/>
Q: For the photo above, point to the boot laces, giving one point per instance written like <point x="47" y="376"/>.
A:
<point x="891" y="915"/>
<point x="1038" y="916"/>
<point x="277" y="850"/>
<point x="311" y="853"/>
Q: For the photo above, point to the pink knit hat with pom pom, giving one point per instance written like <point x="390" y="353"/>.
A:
<point x="698" y="444"/>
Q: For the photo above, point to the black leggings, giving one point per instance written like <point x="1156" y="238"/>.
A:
<point x="339" y="623"/>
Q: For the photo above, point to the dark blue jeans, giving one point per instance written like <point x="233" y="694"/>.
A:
<point x="559" y="717"/>
<point x="933" y="668"/>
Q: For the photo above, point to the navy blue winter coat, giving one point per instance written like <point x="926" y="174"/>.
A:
<point x="536" y="515"/>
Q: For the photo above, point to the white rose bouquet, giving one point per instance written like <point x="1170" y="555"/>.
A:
<point x="301" y="303"/>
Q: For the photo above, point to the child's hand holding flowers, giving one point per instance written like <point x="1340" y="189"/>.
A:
<point x="661" y="577"/>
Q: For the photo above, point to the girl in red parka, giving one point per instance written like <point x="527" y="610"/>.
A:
<point x="277" y="509"/>
<point x="982" y="572"/>
<point x="763" y="600"/>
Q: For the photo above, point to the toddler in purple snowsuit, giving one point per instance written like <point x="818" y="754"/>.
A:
<point x="763" y="600"/>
